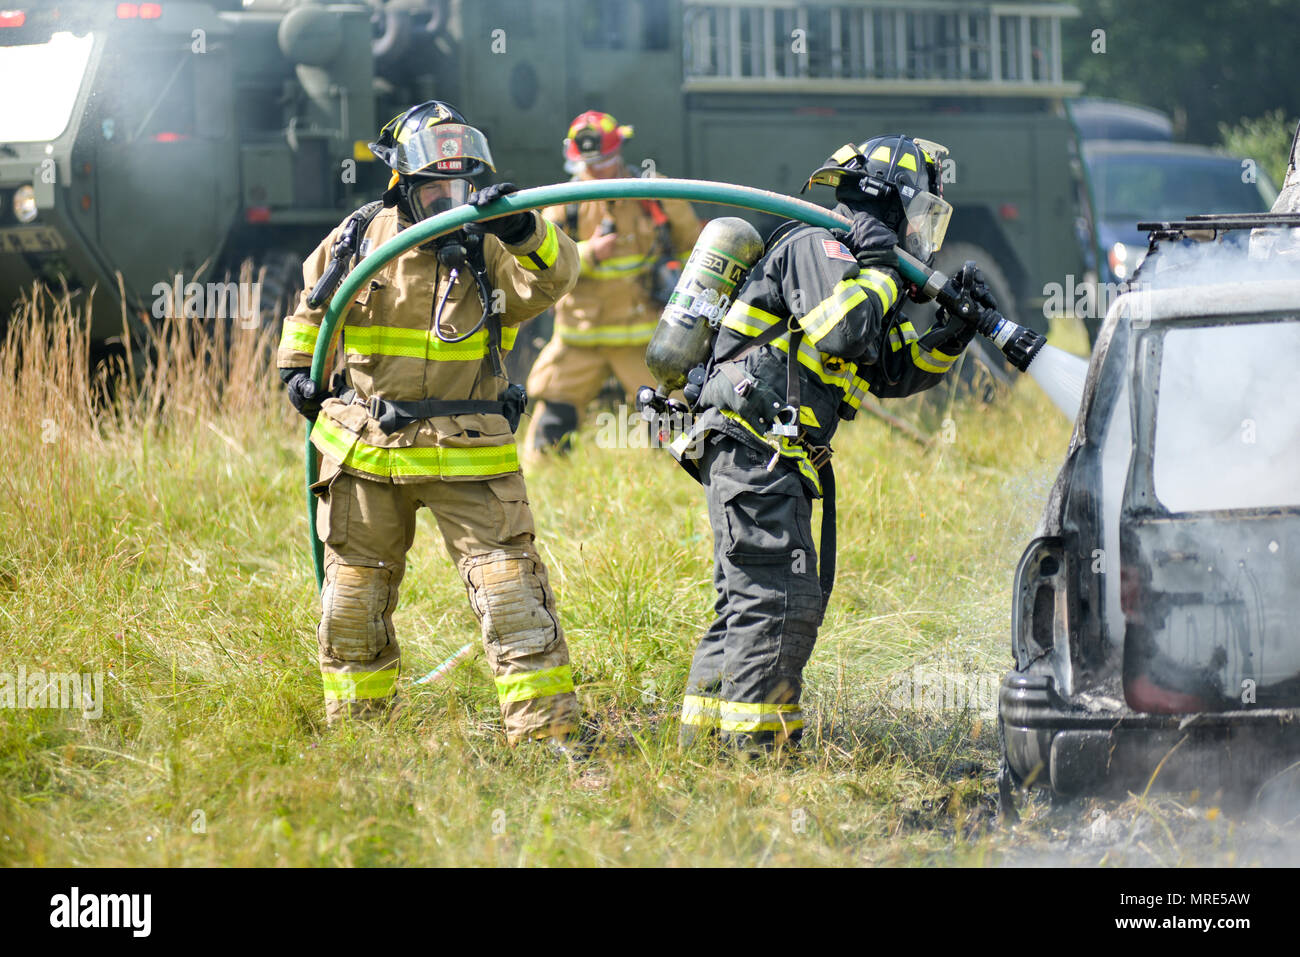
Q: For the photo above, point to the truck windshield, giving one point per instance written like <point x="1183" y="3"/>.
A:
<point x="49" y="76"/>
<point x="1136" y="186"/>
<point x="1228" y="418"/>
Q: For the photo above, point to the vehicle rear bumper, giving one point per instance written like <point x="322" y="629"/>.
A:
<point x="1050" y="744"/>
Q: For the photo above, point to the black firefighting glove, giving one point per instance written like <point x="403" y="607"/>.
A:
<point x="950" y="334"/>
<point x="971" y="280"/>
<point x="304" y="394"/>
<point x="871" y="241"/>
<point x="512" y="229"/>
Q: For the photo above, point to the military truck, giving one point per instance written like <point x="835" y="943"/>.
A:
<point x="177" y="139"/>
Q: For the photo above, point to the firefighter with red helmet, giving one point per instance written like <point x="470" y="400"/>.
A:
<point x="424" y="417"/>
<point x="602" y="327"/>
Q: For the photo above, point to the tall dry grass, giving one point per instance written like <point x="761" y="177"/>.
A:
<point x="153" y="531"/>
<point x="68" y="405"/>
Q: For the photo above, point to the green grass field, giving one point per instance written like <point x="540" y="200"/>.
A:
<point x="164" y="545"/>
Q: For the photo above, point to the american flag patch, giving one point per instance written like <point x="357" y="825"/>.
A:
<point x="837" y="250"/>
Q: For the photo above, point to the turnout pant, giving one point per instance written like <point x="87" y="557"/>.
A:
<point x="747" y="674"/>
<point x="569" y="375"/>
<point x="368" y="527"/>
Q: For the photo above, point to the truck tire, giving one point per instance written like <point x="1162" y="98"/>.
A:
<point x="983" y="371"/>
<point x="280" y="272"/>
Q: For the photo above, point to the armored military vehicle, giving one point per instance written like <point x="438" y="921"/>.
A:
<point x="168" y="142"/>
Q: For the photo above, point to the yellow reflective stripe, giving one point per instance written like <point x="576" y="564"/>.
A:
<point x="882" y="284"/>
<point x="740" y="311"/>
<point x="633" y="335"/>
<point x="356" y="685"/>
<point x="334" y="440"/>
<point x="750" y="321"/>
<point x="299" y="336"/>
<point x="543" y="257"/>
<point x="808" y="417"/>
<point x="419" y="343"/>
<point x="749" y="707"/>
<point x="929" y="361"/>
<point x="857" y="390"/>
<point x="846" y="295"/>
<point x="535" y="684"/>
<point x="821" y="319"/>
<point x="775" y="724"/>
<point x="617" y="267"/>
<point x="811" y="360"/>
<point x="699" y="711"/>
<point x="844" y="154"/>
<point x="788" y="450"/>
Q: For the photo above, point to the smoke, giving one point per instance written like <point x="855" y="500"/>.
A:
<point x="1228" y="417"/>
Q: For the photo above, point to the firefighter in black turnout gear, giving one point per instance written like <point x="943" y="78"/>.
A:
<point x="760" y="441"/>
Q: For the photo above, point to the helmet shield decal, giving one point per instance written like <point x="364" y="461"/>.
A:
<point x="927" y="222"/>
<point x="447" y="150"/>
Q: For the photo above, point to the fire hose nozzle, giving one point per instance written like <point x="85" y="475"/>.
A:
<point x="1016" y="342"/>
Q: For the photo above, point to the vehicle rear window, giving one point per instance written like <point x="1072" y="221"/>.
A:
<point x="1228" y="417"/>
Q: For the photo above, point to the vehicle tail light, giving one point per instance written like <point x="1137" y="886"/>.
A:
<point x="150" y="11"/>
<point x="12" y="18"/>
<point x="128" y="11"/>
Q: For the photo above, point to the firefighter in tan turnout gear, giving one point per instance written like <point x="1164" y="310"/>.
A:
<point x="423" y="416"/>
<point x="603" y="326"/>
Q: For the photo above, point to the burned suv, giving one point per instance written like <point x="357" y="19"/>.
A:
<point x="1156" y="619"/>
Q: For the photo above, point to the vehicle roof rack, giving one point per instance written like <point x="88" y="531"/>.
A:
<point x="1219" y="222"/>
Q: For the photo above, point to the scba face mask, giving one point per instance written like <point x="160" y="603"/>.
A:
<point x="428" y="198"/>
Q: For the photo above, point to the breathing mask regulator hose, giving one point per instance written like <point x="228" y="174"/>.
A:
<point x="701" y="191"/>
<point x="456" y="257"/>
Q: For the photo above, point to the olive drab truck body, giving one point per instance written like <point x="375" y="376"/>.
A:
<point x="177" y="139"/>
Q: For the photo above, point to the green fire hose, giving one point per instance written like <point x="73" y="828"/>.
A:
<point x="932" y="282"/>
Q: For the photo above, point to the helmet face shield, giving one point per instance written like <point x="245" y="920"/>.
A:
<point x="431" y="197"/>
<point x="927" y="222"/>
<point x="448" y="149"/>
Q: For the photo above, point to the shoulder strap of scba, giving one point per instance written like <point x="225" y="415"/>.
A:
<point x="346" y="250"/>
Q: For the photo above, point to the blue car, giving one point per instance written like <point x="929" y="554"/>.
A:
<point x="1136" y="182"/>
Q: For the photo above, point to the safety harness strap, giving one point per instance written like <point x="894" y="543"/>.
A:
<point x="393" y="416"/>
<point x="826" y="564"/>
<point x="344" y="251"/>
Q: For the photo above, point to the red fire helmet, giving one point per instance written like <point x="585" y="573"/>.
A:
<point x="594" y="134"/>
